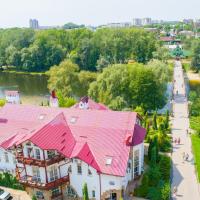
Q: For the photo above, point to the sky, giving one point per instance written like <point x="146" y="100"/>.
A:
<point x="16" y="13"/>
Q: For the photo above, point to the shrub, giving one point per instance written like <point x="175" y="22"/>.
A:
<point x="165" y="166"/>
<point x="154" y="193"/>
<point x="34" y="197"/>
<point x="165" y="191"/>
<point x="142" y="191"/>
<point x="2" y="102"/>
<point x="155" y="127"/>
<point x="154" y="175"/>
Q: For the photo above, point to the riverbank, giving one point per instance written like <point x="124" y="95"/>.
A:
<point x="22" y="72"/>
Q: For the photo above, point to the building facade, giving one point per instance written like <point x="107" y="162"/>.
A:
<point x="58" y="150"/>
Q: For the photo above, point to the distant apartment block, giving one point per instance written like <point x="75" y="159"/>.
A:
<point x="34" y="24"/>
<point x="117" y="25"/>
<point x="137" y="22"/>
<point x="142" y="21"/>
<point x="146" y="21"/>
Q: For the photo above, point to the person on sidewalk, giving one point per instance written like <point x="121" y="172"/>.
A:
<point x="175" y="190"/>
<point x="187" y="157"/>
<point x="179" y="140"/>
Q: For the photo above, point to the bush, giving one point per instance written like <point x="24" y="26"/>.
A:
<point x="2" y="102"/>
<point x="8" y="180"/>
<point x="154" y="175"/>
<point x="142" y="191"/>
<point x="165" y="166"/>
<point x="165" y="191"/>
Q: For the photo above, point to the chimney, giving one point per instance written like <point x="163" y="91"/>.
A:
<point x="53" y="100"/>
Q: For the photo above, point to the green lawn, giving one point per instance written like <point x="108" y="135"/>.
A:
<point x="195" y="123"/>
<point x="196" y="151"/>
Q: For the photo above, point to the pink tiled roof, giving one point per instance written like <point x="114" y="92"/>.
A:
<point x="11" y="92"/>
<point x="90" y="135"/>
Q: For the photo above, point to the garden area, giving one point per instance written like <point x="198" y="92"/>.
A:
<point x="194" y="106"/>
<point x="8" y="180"/>
<point x="155" y="184"/>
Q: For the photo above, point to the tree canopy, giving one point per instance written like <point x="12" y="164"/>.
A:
<point x="128" y="86"/>
<point x="30" y="50"/>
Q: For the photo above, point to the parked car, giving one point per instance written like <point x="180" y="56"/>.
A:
<point x="4" y="195"/>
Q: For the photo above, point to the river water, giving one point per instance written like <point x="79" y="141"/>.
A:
<point x="32" y="88"/>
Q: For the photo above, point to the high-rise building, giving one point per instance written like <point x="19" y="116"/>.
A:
<point x="146" y="21"/>
<point x="137" y="22"/>
<point x="34" y="24"/>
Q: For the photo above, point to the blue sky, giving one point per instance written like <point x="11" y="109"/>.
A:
<point x="93" y="12"/>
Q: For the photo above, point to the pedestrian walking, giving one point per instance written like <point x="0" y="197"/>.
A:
<point x="187" y="157"/>
<point x="175" y="190"/>
<point x="179" y="140"/>
<point x="175" y="141"/>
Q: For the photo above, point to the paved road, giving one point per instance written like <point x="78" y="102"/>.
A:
<point x="184" y="177"/>
<point x="17" y="194"/>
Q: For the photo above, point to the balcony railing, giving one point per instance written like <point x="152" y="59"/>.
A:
<point x="40" y="163"/>
<point x="31" y="182"/>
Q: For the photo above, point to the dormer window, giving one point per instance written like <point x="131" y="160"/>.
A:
<point x="73" y="119"/>
<point x="108" y="160"/>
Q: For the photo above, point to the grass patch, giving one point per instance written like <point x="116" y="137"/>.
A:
<point x="196" y="150"/>
<point x="195" y="123"/>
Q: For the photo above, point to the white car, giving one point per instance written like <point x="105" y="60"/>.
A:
<point x="4" y="195"/>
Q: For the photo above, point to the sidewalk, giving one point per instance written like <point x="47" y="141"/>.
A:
<point x="17" y="194"/>
<point x="184" y="177"/>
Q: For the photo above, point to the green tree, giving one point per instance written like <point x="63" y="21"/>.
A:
<point x="196" y="56"/>
<point x="64" y="78"/>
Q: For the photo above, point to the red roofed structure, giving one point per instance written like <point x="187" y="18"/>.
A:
<point x="104" y="140"/>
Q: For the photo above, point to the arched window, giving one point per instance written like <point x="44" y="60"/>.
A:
<point x="71" y="192"/>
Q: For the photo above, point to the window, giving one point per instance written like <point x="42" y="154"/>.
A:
<point x="55" y="191"/>
<point x="136" y="163"/>
<point x="29" y="151"/>
<point x="37" y="154"/>
<point x="93" y="193"/>
<point x="70" y="169"/>
<point x="51" y="154"/>
<point x="89" y="172"/>
<point x="14" y="160"/>
<point x="79" y="169"/>
<point x="108" y="160"/>
<point x="70" y="192"/>
<point x="39" y="195"/>
<point x="36" y="174"/>
<point x="53" y="173"/>
<point x="6" y="157"/>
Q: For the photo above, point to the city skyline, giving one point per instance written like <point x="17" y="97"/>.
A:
<point x="49" y="12"/>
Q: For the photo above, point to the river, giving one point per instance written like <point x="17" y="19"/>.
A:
<point x="32" y="88"/>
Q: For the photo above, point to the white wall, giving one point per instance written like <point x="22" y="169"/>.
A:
<point x="7" y="166"/>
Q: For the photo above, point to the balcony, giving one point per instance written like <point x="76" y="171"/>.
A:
<point x="29" y="181"/>
<point x="40" y="163"/>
